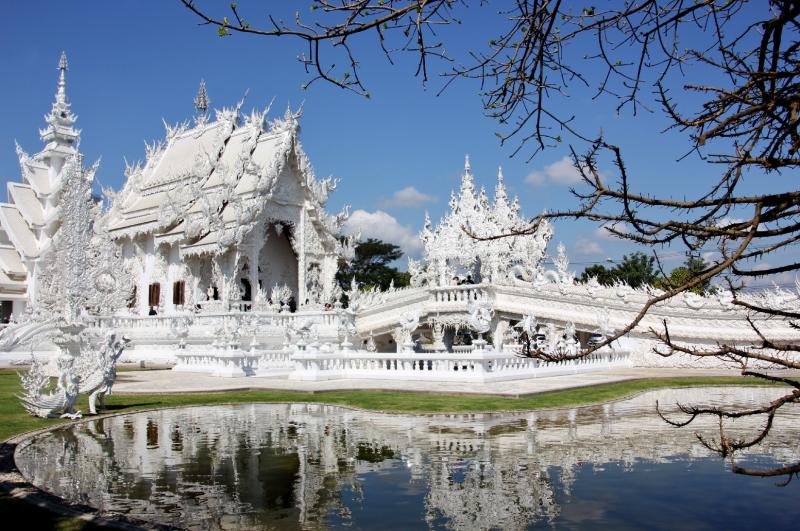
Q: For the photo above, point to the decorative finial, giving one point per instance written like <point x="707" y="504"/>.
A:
<point x="61" y="95"/>
<point x="499" y="174"/>
<point x="201" y="101"/>
<point x="467" y="167"/>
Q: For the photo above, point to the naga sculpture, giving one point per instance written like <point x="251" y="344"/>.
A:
<point x="92" y="373"/>
<point x="98" y="382"/>
<point x="58" y="403"/>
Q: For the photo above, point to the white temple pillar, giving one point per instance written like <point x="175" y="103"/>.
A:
<point x="300" y="237"/>
<point x="253" y="250"/>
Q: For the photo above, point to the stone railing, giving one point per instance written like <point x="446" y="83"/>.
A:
<point x="278" y="319"/>
<point x="474" y="366"/>
<point x="462" y="295"/>
<point x="234" y="362"/>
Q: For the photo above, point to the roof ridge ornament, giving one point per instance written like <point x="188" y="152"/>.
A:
<point x="201" y="103"/>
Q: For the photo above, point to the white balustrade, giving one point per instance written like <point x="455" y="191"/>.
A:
<point x="474" y="366"/>
<point x="234" y="362"/>
<point x="460" y="295"/>
<point x="127" y="322"/>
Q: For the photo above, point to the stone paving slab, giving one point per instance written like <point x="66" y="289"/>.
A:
<point x="166" y="381"/>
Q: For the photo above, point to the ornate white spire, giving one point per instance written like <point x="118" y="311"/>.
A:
<point x="500" y="194"/>
<point x="60" y="119"/>
<point x="201" y="101"/>
<point x="61" y="95"/>
<point x="467" y="167"/>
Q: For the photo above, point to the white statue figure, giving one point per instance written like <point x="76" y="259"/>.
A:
<point x="480" y="317"/>
<point x="301" y="329"/>
<point x="409" y="322"/>
<point x="528" y="325"/>
<point x="280" y="295"/>
<point x="97" y="384"/>
<point x="570" y="339"/>
<point x="313" y="285"/>
<point x="347" y="327"/>
<point x="603" y="323"/>
<point x="371" y="347"/>
<point x="565" y="276"/>
<point x="92" y="373"/>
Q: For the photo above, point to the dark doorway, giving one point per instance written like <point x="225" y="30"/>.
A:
<point x="248" y="292"/>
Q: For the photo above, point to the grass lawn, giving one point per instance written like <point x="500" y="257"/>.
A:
<point x="14" y="420"/>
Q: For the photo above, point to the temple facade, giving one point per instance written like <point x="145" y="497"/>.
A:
<point x="227" y="213"/>
<point x="218" y="256"/>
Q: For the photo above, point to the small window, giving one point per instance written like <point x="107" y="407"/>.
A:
<point x="6" y="311"/>
<point x="154" y="295"/>
<point x="178" y="290"/>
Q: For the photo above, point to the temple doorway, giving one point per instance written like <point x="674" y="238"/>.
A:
<point x="277" y="261"/>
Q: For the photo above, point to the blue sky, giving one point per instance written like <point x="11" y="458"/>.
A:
<point x="134" y="63"/>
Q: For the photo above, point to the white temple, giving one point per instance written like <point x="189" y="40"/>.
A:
<point x="221" y="212"/>
<point x="218" y="256"/>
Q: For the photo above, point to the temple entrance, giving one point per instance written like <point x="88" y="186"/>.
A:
<point x="277" y="261"/>
<point x="247" y="292"/>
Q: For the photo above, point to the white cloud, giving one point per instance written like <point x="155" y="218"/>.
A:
<point x="384" y="227"/>
<point x="408" y="197"/>
<point x="601" y="233"/>
<point x="587" y="248"/>
<point x="561" y="172"/>
<point x="728" y="220"/>
<point x="711" y="257"/>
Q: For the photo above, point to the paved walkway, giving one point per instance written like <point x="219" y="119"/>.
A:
<point x="166" y="381"/>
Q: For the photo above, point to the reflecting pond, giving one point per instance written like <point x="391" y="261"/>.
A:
<point x="301" y="466"/>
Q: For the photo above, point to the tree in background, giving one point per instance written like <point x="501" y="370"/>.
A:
<point x="682" y="275"/>
<point x="370" y="266"/>
<point x="636" y="270"/>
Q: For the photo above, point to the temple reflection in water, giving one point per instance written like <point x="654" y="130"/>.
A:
<point x="309" y="466"/>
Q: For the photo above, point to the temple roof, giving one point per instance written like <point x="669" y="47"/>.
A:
<point x="18" y="231"/>
<point x="215" y="177"/>
<point x="29" y="205"/>
<point x="10" y="261"/>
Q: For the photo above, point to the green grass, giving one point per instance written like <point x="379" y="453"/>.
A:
<point x="14" y="420"/>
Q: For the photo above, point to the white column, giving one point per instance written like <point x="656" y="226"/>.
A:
<point x="301" y="257"/>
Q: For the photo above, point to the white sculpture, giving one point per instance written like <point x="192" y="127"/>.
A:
<point x="92" y="373"/>
<point x="371" y="347"/>
<point x="97" y="383"/>
<point x="528" y="325"/>
<point x="480" y="317"/>
<point x="409" y="321"/>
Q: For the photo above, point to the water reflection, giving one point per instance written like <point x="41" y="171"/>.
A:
<point x="309" y="466"/>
